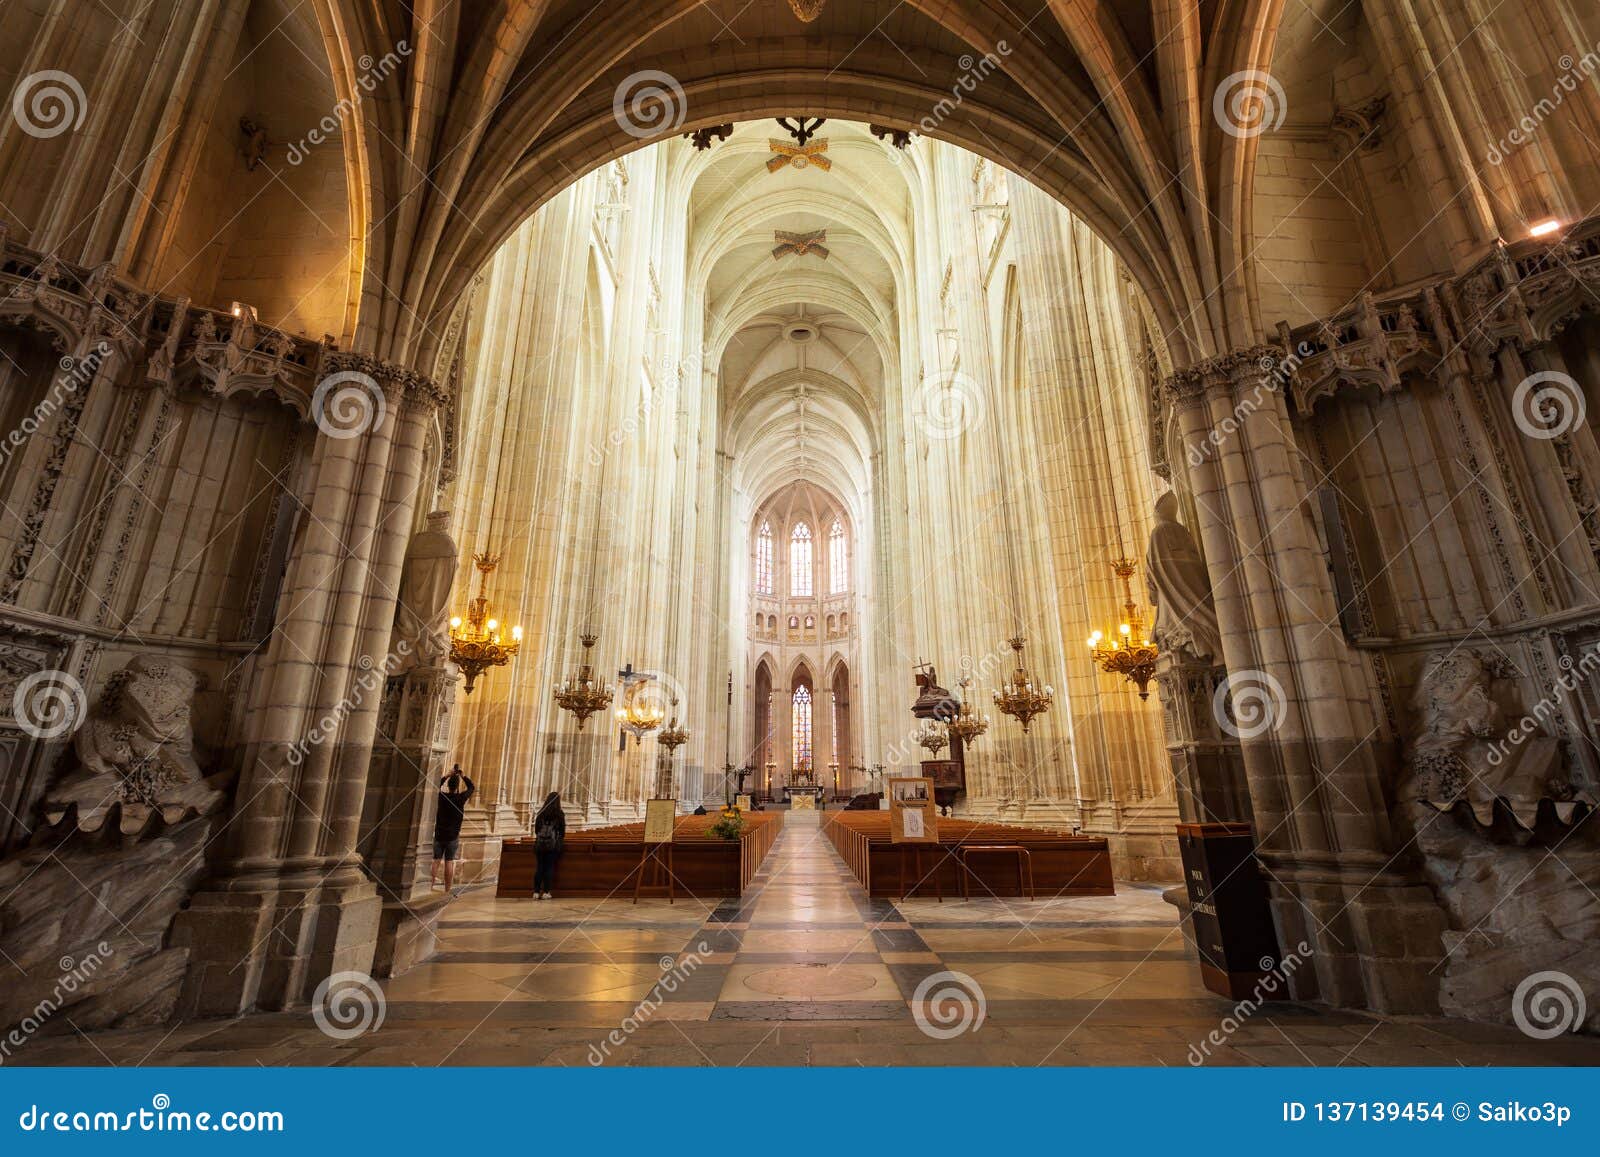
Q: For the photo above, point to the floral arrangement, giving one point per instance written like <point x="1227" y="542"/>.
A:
<point x="727" y="826"/>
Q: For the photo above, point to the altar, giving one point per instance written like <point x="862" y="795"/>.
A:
<point x="803" y="797"/>
<point x="802" y="790"/>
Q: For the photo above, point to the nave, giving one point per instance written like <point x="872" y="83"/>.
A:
<point x="805" y="969"/>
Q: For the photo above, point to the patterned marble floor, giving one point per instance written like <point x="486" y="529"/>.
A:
<point x="806" y="969"/>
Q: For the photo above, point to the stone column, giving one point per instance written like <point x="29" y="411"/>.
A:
<point x="1311" y="753"/>
<point x="290" y="903"/>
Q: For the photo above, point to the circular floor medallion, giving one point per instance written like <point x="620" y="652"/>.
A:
<point x="811" y="980"/>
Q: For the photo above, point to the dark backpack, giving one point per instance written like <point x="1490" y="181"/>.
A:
<point x="546" y="837"/>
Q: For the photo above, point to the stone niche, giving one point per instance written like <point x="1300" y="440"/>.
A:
<point x="1505" y="824"/>
<point x="118" y="849"/>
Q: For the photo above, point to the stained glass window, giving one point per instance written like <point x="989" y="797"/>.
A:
<point x="800" y="562"/>
<point x="838" y="561"/>
<point x="802" y="728"/>
<point x="764" y="560"/>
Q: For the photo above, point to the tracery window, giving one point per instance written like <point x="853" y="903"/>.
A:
<point x="802" y="728"/>
<point x="800" y="562"/>
<point x="764" y="560"/>
<point x="838" y="560"/>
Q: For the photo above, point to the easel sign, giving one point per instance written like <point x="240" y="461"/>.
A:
<point x="660" y="816"/>
<point x="913" y="819"/>
<point x="655" y="872"/>
<point x="742" y="802"/>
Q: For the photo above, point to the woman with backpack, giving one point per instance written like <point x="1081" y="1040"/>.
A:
<point x="549" y="834"/>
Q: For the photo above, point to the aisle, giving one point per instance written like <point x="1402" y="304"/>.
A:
<point x="805" y="969"/>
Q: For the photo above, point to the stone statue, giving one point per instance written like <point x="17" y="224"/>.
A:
<point x="1177" y="583"/>
<point x="137" y="745"/>
<point x="423" y="615"/>
<point x="1515" y="908"/>
<point x="1465" y="752"/>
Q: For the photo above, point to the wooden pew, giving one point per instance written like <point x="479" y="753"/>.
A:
<point x="1063" y="865"/>
<point x="601" y="862"/>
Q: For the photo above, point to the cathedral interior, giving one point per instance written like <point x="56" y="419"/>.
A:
<point x="1092" y="438"/>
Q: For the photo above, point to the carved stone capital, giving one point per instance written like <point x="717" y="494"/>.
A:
<point x="399" y="384"/>
<point x="1263" y="364"/>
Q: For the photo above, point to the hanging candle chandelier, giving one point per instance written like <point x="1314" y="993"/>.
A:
<point x="583" y="694"/>
<point x="933" y="738"/>
<point x="674" y="735"/>
<point x="968" y="724"/>
<point x="475" y="644"/>
<point x="807" y="10"/>
<point x="1127" y="652"/>
<point x="1020" y="699"/>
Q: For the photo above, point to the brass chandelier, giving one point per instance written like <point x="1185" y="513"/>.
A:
<point x="1127" y="653"/>
<point x="475" y="644"/>
<point x="674" y="735"/>
<point x="1019" y="698"/>
<point x="932" y="737"/>
<point x="968" y="724"/>
<point x="583" y="694"/>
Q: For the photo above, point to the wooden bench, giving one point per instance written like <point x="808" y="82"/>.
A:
<point x="1060" y="864"/>
<point x="603" y="862"/>
<point x="1024" y="859"/>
